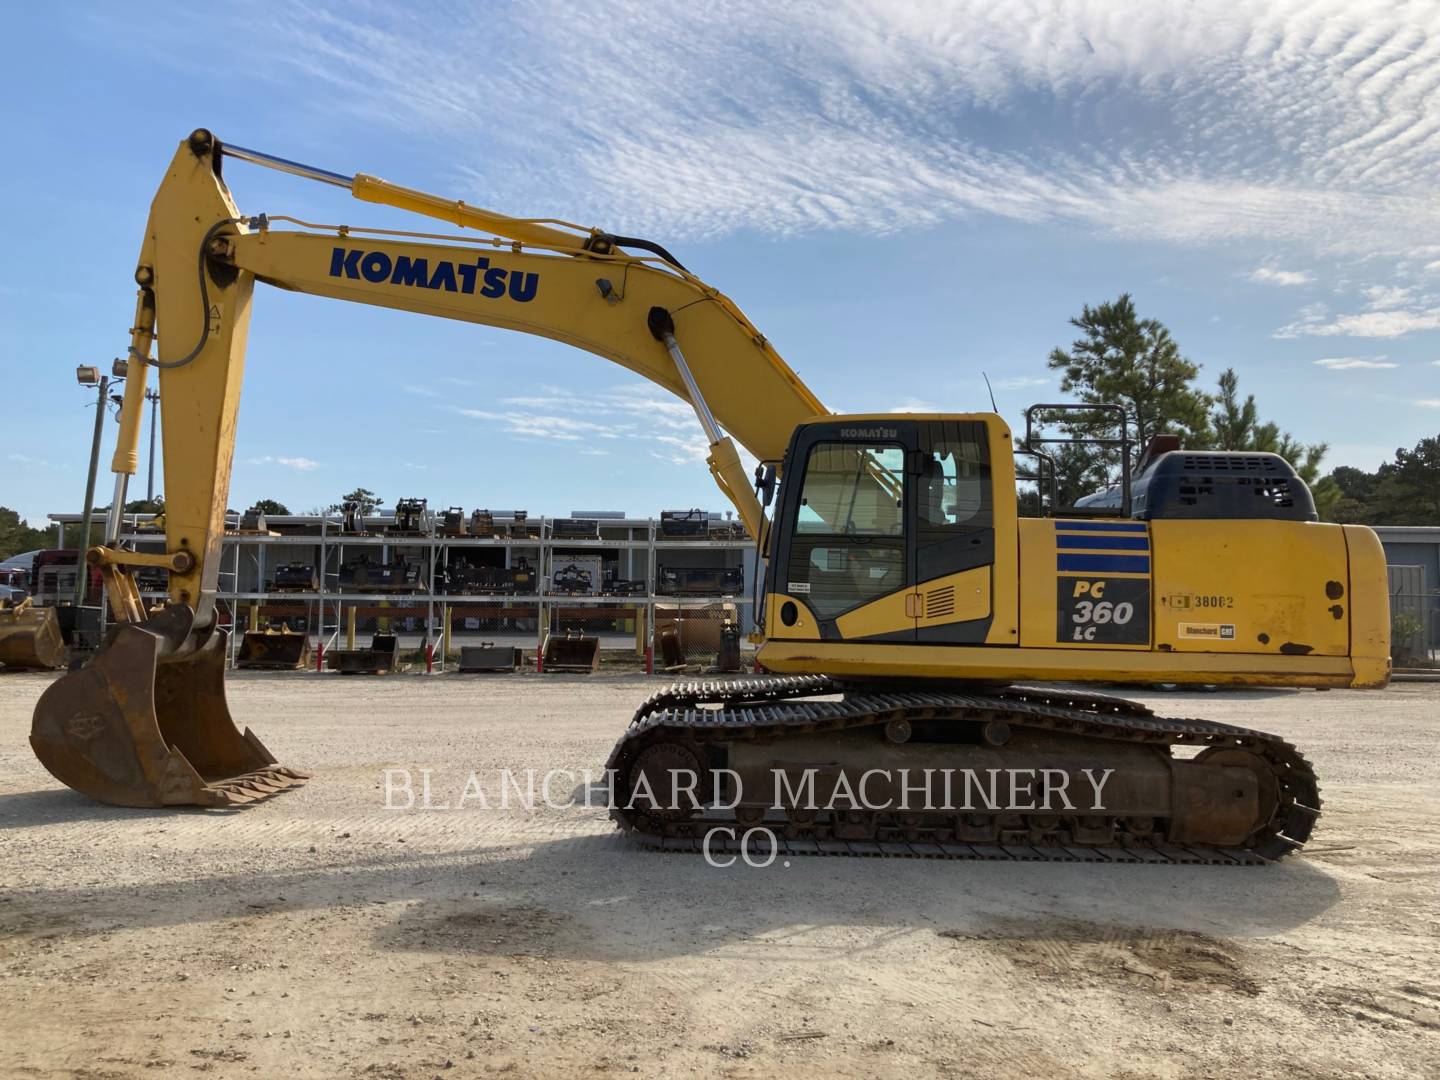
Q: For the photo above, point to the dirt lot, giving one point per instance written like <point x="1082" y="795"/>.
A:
<point x="318" y="934"/>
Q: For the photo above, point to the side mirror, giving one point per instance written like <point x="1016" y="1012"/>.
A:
<point x="765" y="484"/>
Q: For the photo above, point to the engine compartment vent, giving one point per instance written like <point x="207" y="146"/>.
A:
<point x="940" y="602"/>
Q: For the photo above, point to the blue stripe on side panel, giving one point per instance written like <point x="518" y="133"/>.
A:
<point x="1104" y="543"/>
<point x="1099" y="564"/>
<point x="1101" y="526"/>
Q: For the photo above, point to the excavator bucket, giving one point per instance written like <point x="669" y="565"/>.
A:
<point x="571" y="652"/>
<point x="273" y="650"/>
<point x="381" y="658"/>
<point x="488" y="656"/>
<point x="30" y="637"/>
<point x="146" y="724"/>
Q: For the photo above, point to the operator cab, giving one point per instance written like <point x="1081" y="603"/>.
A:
<point x="886" y="528"/>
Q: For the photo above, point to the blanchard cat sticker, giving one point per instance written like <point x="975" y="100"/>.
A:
<point x="1212" y="631"/>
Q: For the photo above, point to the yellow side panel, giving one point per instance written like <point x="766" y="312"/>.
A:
<point x="1250" y="587"/>
<point x="888" y="615"/>
<point x="1369" y="598"/>
<point x="1037" y="582"/>
<point x="954" y="598"/>
<point x="804" y="629"/>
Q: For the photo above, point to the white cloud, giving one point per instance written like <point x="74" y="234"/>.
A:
<point x="34" y="462"/>
<point x="1372" y="324"/>
<point x="653" y="406"/>
<point x="535" y="425"/>
<point x="682" y="451"/>
<point x="916" y="406"/>
<point x="300" y="464"/>
<point x="1387" y="296"/>
<point x="1355" y="363"/>
<point x="664" y="424"/>
<point x="1024" y="382"/>
<point x="1266" y="275"/>
<point x="1429" y="403"/>
<point x="1292" y="122"/>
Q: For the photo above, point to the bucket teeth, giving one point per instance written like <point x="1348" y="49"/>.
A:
<point x="255" y="786"/>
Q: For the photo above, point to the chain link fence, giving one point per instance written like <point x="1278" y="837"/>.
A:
<point x="1414" y="618"/>
<point x="1415" y="629"/>
<point x="697" y="637"/>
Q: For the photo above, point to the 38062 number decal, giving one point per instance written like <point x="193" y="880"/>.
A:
<point x="1102" y="611"/>
<point x="1202" y="600"/>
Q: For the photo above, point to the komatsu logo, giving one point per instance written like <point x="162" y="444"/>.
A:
<point x="869" y="433"/>
<point x="463" y="277"/>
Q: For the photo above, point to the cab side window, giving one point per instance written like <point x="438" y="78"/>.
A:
<point x="954" y="501"/>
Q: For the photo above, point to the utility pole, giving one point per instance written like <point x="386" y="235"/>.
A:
<point x="90" y="376"/>
<point x="153" y="397"/>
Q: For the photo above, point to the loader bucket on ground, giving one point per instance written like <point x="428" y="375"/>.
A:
<point x="571" y="652"/>
<point x="273" y="650"/>
<point x="143" y="724"/>
<point x="381" y="658"/>
<point x="30" y="638"/>
<point x="489" y="657"/>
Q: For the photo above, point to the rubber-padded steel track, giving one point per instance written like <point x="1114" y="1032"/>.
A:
<point x="769" y="708"/>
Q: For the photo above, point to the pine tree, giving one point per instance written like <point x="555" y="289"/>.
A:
<point x="1232" y="423"/>
<point x="1133" y="362"/>
<point x="367" y="499"/>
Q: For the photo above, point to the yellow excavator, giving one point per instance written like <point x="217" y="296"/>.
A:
<point x="905" y="604"/>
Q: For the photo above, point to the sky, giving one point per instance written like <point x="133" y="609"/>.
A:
<point x="904" y="198"/>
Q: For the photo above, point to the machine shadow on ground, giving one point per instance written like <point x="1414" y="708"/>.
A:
<point x="582" y="894"/>
<point x="57" y="806"/>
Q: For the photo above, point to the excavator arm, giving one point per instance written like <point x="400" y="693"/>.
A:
<point x="145" y="723"/>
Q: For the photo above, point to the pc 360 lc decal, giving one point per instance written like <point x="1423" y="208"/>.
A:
<point x="1102" y="611"/>
<point x="476" y="277"/>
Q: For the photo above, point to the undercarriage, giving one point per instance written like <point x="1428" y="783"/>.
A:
<point x="808" y="765"/>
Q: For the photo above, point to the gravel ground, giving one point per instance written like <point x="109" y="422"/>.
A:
<point x="318" y="934"/>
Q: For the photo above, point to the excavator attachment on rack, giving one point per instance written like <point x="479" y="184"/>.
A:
<point x="273" y="649"/>
<point x="146" y="724"/>
<point x="381" y="658"/>
<point x="570" y="653"/>
<point x="30" y="637"/>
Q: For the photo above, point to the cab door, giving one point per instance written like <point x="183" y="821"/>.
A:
<point x="845" y="566"/>
<point x="952" y="531"/>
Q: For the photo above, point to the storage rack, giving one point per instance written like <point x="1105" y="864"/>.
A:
<point x="245" y="557"/>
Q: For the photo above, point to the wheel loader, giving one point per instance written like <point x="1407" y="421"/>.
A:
<point x="906" y="611"/>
